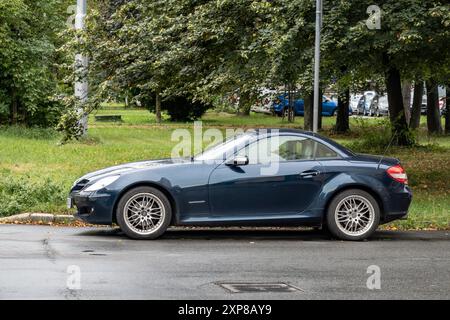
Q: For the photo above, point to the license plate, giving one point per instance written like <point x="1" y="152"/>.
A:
<point x="69" y="203"/>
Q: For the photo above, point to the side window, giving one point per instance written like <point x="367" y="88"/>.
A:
<point x="323" y="152"/>
<point x="281" y="148"/>
<point x="295" y="149"/>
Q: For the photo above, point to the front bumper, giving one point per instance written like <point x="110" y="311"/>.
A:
<point x="93" y="207"/>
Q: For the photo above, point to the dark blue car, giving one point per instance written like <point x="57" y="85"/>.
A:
<point x="281" y="104"/>
<point x="260" y="178"/>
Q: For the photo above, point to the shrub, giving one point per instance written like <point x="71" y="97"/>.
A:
<point x="179" y="108"/>
<point x="20" y="193"/>
<point x="184" y="109"/>
<point x="373" y="139"/>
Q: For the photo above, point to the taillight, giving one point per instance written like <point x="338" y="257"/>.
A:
<point x="398" y="174"/>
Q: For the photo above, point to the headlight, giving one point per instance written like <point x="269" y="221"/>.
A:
<point x="102" y="183"/>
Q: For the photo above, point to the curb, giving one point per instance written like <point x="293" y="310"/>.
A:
<point x="38" y="218"/>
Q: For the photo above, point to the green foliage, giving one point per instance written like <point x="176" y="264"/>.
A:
<point x="374" y="139"/>
<point x="28" y="38"/>
<point x="20" y="193"/>
<point x="184" y="109"/>
<point x="69" y="122"/>
<point x="28" y="133"/>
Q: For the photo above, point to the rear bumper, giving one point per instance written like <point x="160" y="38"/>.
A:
<point x="94" y="208"/>
<point x="397" y="204"/>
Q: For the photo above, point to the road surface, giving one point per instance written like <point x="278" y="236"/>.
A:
<point x="42" y="262"/>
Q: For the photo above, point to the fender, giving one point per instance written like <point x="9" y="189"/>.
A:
<point x="345" y="181"/>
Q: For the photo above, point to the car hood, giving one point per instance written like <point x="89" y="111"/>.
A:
<point x="130" y="167"/>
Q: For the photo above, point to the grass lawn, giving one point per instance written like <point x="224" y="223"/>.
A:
<point x="36" y="172"/>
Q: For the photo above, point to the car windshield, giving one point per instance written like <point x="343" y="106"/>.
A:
<point x="222" y="150"/>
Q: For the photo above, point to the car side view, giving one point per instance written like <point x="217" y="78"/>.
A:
<point x="259" y="178"/>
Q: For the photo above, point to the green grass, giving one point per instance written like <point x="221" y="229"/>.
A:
<point x="36" y="172"/>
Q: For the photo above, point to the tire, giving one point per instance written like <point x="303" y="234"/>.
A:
<point x="144" y="213"/>
<point x="345" y="222"/>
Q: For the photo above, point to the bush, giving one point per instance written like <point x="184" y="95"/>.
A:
<point x="372" y="139"/>
<point x="179" y="108"/>
<point x="184" y="109"/>
<point x="20" y="193"/>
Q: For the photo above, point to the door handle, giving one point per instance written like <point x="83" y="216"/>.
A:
<point x="309" y="173"/>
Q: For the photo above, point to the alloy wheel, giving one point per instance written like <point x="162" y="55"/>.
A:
<point x="354" y="215"/>
<point x="144" y="213"/>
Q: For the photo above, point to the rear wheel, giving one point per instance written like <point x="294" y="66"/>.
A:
<point x="144" y="213"/>
<point x="353" y="215"/>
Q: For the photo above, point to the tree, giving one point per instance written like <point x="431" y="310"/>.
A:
<point x="411" y="41"/>
<point x="417" y="104"/>
<point x="203" y="49"/>
<point x="28" y="41"/>
<point x="342" y="120"/>
<point x="433" y="113"/>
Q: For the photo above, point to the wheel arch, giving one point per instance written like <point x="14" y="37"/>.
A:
<point x="363" y="187"/>
<point x="164" y="190"/>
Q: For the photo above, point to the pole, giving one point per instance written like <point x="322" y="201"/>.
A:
<point x="81" y="66"/>
<point x="317" y="66"/>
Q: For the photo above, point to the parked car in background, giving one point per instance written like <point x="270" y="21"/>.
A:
<point x="354" y="99"/>
<point x="364" y="103"/>
<point x="379" y="106"/>
<point x="423" y="107"/>
<point x="281" y="105"/>
<point x="264" y="104"/>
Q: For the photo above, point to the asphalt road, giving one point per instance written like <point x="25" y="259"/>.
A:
<point x="34" y="262"/>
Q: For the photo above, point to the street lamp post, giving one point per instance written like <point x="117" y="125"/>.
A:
<point x="81" y="66"/>
<point x="317" y="66"/>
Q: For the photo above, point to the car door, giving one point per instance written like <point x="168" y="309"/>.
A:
<point x="282" y="178"/>
<point x="299" y="104"/>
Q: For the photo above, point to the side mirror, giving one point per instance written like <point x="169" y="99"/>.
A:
<point x="237" y="161"/>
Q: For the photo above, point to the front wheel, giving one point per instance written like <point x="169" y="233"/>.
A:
<point x="144" y="213"/>
<point x="353" y="215"/>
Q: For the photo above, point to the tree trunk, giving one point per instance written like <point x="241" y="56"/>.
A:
<point x="447" y="110"/>
<point x="342" y="119"/>
<point x="158" y="106"/>
<point x="433" y="114"/>
<point x="244" y="104"/>
<point x="417" y="104"/>
<point x="397" y="114"/>
<point x="14" y="106"/>
<point x="308" y="112"/>
<point x="406" y="94"/>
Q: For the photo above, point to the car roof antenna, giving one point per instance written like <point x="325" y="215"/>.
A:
<point x="387" y="148"/>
